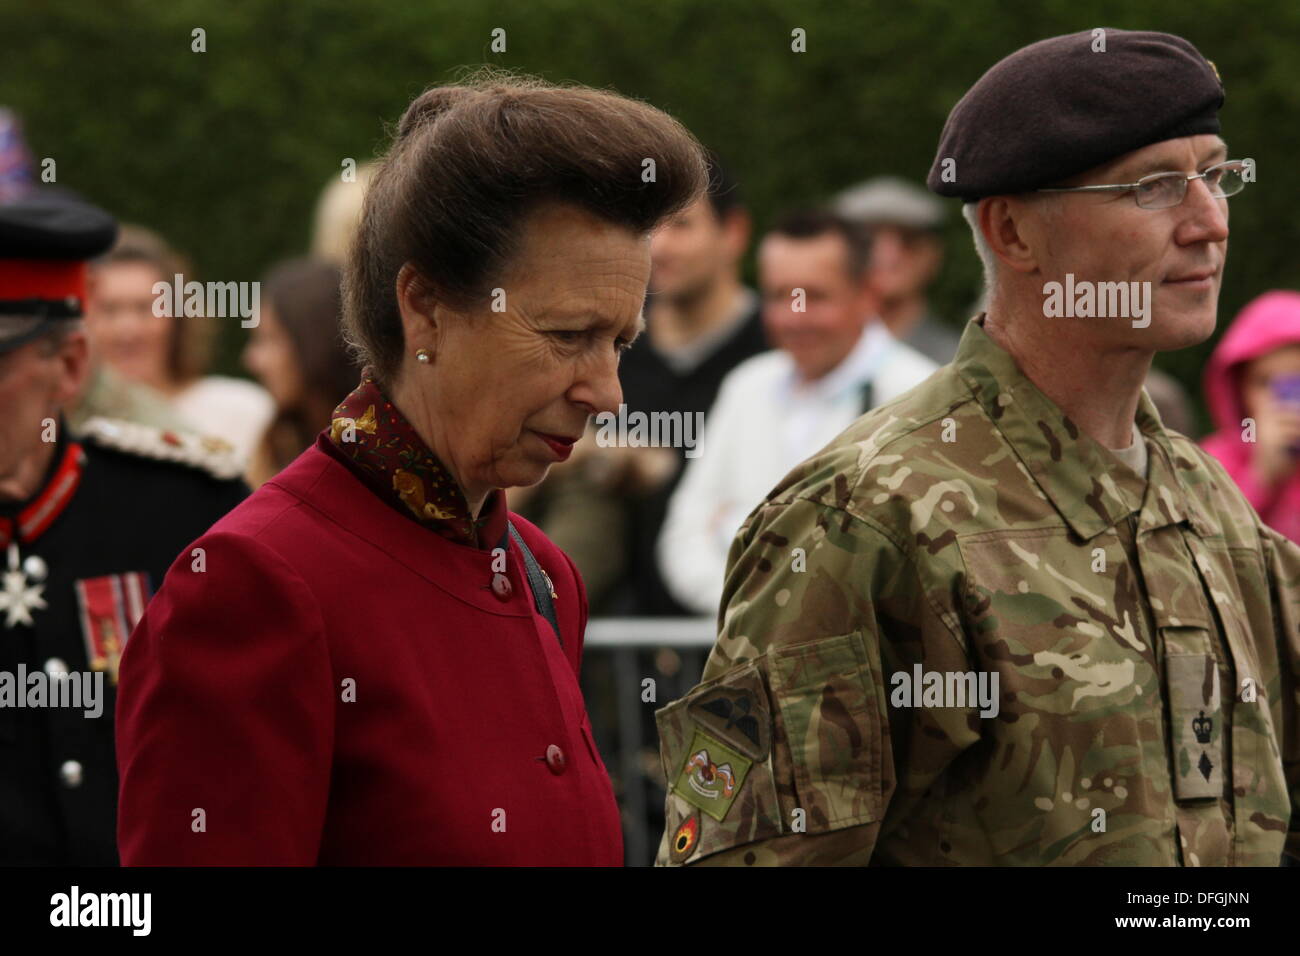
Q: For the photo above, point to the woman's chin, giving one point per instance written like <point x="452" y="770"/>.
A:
<point x="525" y="474"/>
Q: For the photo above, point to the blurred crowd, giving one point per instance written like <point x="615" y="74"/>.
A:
<point x="840" y="322"/>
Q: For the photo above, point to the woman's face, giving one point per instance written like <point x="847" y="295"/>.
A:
<point x="121" y="326"/>
<point x="271" y="358"/>
<point x="509" y="390"/>
<point x="1258" y="376"/>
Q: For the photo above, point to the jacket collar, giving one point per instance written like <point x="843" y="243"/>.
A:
<point x="371" y="435"/>
<point x="1085" y="483"/>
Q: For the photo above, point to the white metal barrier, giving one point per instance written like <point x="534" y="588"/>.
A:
<point x="630" y="644"/>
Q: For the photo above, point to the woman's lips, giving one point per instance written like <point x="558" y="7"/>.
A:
<point x="560" y="446"/>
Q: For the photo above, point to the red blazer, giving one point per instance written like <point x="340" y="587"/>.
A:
<point x="237" y="738"/>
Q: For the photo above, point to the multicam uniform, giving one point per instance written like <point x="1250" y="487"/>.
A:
<point x="1144" y="634"/>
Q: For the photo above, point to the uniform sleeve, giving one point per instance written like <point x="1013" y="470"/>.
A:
<point x="1283" y="561"/>
<point x="788" y="752"/>
<point x="225" y="714"/>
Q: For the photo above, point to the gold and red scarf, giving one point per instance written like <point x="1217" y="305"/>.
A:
<point x="386" y="452"/>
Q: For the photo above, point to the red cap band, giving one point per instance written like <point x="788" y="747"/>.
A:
<point x="50" y="279"/>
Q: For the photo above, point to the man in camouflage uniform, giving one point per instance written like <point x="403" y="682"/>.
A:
<point x="982" y="626"/>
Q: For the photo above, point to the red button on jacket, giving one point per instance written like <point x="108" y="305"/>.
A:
<point x="335" y="685"/>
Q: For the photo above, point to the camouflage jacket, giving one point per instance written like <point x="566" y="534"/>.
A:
<point x="966" y="633"/>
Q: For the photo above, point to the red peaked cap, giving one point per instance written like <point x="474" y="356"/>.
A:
<point x="46" y="239"/>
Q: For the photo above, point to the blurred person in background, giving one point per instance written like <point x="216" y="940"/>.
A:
<point x="298" y="355"/>
<point x="1254" y="375"/>
<point x="17" y="168"/>
<point x="701" y="322"/>
<point x="338" y="212"/>
<point x="904" y="223"/>
<point x="168" y="354"/>
<point x="834" y="359"/>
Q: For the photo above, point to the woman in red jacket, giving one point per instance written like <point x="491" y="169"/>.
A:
<point x="370" y="661"/>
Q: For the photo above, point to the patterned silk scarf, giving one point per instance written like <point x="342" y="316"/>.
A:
<point x="388" y="454"/>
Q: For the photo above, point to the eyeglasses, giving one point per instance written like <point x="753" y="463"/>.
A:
<point x="1164" y="190"/>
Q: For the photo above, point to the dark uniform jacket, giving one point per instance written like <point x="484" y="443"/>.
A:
<point x="114" y="517"/>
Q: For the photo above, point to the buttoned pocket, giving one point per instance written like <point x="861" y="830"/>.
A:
<point x="832" y="714"/>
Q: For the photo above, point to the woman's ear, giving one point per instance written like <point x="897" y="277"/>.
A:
<point x="419" y="310"/>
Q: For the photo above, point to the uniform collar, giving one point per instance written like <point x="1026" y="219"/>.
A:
<point x="1076" y="473"/>
<point x="374" y="438"/>
<point x="27" y="520"/>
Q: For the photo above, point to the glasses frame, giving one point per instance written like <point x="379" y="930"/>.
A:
<point x="1131" y="187"/>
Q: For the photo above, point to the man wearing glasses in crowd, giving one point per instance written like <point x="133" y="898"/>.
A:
<point x="1010" y="618"/>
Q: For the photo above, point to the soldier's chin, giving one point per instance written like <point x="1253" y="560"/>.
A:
<point x="1182" y="328"/>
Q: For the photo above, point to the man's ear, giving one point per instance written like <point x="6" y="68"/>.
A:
<point x="73" y="358"/>
<point x="736" y="230"/>
<point x="1009" y="229"/>
<point x="419" y="310"/>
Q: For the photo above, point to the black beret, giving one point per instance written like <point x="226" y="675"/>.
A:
<point x="1060" y="107"/>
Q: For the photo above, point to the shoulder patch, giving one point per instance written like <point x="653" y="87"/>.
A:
<point x="213" y="455"/>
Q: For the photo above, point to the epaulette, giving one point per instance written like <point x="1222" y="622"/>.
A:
<point x="214" y="455"/>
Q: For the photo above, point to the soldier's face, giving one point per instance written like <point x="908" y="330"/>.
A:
<point x="813" y="309"/>
<point x="1180" y="251"/>
<point x="36" y="380"/>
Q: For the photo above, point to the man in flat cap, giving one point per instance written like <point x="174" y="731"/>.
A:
<point x="89" y="524"/>
<point x="1009" y="618"/>
<point x="903" y="222"/>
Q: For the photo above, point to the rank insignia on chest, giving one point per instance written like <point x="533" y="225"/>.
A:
<point x="110" y="607"/>
<point x="711" y="776"/>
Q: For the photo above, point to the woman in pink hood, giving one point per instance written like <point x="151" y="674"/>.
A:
<point x="1255" y="374"/>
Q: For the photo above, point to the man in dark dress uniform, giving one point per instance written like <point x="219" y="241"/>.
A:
<point x="89" y="524"/>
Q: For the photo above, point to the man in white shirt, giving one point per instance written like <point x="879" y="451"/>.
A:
<point x="833" y="360"/>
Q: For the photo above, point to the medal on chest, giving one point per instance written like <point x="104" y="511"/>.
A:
<point x="24" y="579"/>
<point x="24" y="588"/>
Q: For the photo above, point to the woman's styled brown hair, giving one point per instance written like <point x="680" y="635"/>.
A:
<point x="469" y="162"/>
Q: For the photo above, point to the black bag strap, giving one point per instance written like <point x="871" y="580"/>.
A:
<point x="538" y="582"/>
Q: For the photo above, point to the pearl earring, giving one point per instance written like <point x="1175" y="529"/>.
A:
<point x="422" y="355"/>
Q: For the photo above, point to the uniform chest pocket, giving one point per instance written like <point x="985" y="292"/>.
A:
<point x="832" y="712"/>
<point x="1061" y="622"/>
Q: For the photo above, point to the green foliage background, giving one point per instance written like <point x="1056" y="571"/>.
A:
<point x="226" y="151"/>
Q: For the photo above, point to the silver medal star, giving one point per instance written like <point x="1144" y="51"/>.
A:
<point x="19" y="599"/>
